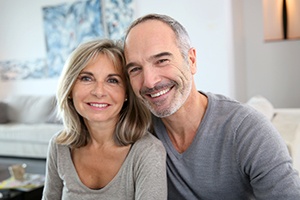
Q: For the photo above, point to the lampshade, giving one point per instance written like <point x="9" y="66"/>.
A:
<point x="281" y="19"/>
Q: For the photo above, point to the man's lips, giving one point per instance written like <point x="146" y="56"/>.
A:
<point x="160" y="93"/>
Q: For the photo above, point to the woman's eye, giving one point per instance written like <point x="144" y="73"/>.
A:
<point x="85" y="78"/>
<point x="113" y="80"/>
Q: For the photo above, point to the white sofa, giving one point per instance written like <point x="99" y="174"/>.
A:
<point x="286" y="121"/>
<point x="26" y="125"/>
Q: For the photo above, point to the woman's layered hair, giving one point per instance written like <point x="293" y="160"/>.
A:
<point x="134" y="118"/>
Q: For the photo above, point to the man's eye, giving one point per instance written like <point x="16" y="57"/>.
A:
<point x="162" y="61"/>
<point x="133" y="70"/>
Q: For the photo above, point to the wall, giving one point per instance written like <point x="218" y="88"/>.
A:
<point x="273" y="68"/>
<point x="208" y="23"/>
<point x="209" y="26"/>
<point x="22" y="38"/>
<point x="232" y="57"/>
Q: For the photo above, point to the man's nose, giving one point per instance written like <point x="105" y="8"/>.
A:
<point x="151" y="76"/>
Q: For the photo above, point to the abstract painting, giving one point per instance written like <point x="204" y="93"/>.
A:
<point x="118" y="15"/>
<point x="16" y="70"/>
<point x="65" y="27"/>
<point x="68" y="25"/>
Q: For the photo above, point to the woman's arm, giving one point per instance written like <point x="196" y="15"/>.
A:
<point x="151" y="178"/>
<point x="53" y="184"/>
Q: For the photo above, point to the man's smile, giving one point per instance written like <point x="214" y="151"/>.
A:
<point x="160" y="93"/>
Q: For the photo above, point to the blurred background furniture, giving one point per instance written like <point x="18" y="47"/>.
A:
<point x="286" y="121"/>
<point x="27" y="123"/>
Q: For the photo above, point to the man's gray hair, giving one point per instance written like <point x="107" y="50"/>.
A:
<point x="182" y="37"/>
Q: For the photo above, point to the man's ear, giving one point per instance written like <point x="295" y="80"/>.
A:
<point x="192" y="60"/>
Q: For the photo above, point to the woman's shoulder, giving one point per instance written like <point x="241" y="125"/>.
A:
<point x="149" y="138"/>
<point x="148" y="149"/>
<point x="54" y="144"/>
<point x="149" y="142"/>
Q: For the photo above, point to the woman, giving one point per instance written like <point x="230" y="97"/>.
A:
<point x="104" y="151"/>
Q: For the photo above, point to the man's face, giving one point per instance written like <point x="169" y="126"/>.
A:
<point x="158" y="73"/>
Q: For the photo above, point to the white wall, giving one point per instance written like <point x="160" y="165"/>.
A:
<point x="232" y="57"/>
<point x="273" y="68"/>
<point x="208" y="23"/>
<point x="209" y="26"/>
<point x="22" y="38"/>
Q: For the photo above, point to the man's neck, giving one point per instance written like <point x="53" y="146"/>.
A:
<point x="182" y="126"/>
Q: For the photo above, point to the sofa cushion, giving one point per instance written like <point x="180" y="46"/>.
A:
<point x="262" y="105"/>
<point x="26" y="140"/>
<point x="3" y="113"/>
<point x="30" y="109"/>
<point x="54" y="118"/>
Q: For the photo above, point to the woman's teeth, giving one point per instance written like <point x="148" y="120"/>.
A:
<point x="98" y="105"/>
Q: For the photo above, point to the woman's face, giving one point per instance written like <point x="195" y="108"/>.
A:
<point x="99" y="91"/>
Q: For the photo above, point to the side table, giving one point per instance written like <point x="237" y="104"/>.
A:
<point x="34" y="194"/>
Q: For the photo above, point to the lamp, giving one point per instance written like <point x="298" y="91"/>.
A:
<point x="281" y="19"/>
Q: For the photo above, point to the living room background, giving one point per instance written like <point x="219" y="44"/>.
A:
<point x="233" y="58"/>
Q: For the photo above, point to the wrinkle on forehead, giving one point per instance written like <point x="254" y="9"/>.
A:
<point x="148" y="39"/>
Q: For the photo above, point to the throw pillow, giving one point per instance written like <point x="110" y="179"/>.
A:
<point x="29" y="109"/>
<point x="262" y="105"/>
<point x="54" y="118"/>
<point x="3" y="113"/>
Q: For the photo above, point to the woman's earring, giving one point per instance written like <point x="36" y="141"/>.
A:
<point x="126" y="99"/>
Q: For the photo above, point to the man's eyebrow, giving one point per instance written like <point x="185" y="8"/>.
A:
<point x="131" y="64"/>
<point x="160" y="55"/>
<point x="156" y="56"/>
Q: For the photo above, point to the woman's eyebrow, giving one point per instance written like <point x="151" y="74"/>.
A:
<point x="86" y="72"/>
<point x="110" y="75"/>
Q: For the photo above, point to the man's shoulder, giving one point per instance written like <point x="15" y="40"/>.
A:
<point x="219" y="98"/>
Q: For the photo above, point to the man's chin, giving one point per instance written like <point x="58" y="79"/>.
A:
<point x="158" y="109"/>
<point x="159" y="112"/>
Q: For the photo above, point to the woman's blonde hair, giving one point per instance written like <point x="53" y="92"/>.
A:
<point x="134" y="119"/>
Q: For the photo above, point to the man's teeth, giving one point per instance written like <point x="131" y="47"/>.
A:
<point x="160" y="93"/>
<point x="99" y="105"/>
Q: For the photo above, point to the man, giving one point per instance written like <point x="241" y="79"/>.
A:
<point x="217" y="148"/>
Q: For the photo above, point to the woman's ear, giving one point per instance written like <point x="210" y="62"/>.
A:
<point x="70" y="96"/>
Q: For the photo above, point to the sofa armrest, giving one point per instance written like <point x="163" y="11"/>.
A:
<point x="287" y="122"/>
<point x="3" y="113"/>
<point x="288" y="110"/>
<point x="286" y="116"/>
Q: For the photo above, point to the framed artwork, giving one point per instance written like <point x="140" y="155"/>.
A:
<point x="16" y="70"/>
<point x="68" y="25"/>
<point x="65" y="27"/>
<point x="281" y="19"/>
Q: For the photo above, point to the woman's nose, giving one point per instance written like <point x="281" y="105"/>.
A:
<point x="98" y="90"/>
